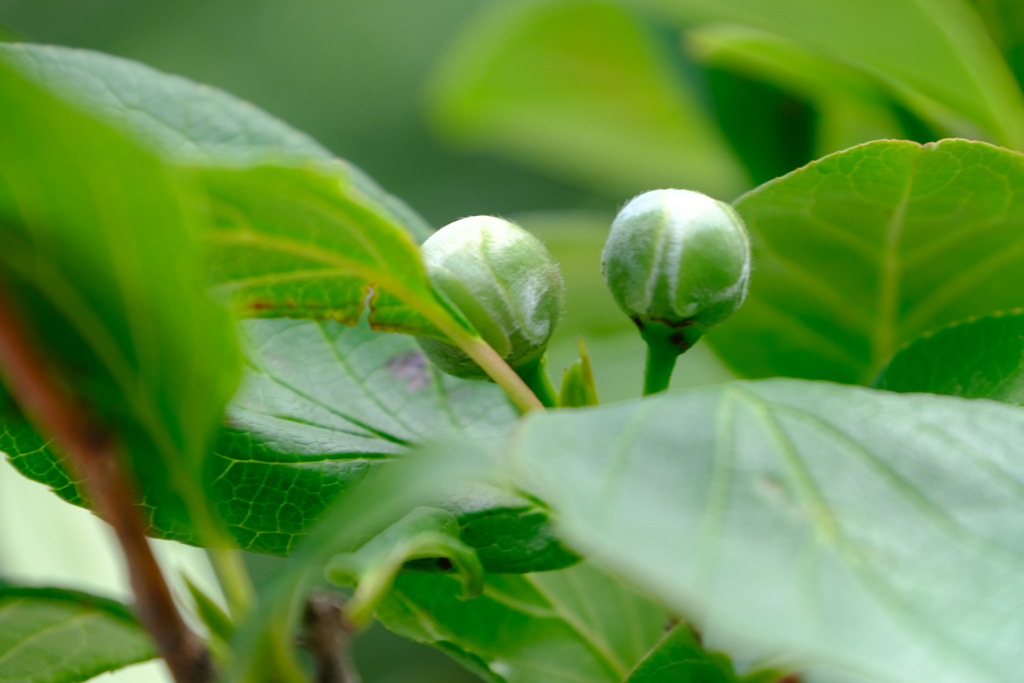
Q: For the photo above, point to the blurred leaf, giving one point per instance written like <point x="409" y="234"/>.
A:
<point x="185" y="121"/>
<point x="1004" y="20"/>
<point x="868" y="249"/>
<point x="99" y="255"/>
<point x="679" y="658"/>
<point x="851" y="106"/>
<point x="581" y="89"/>
<point x="427" y="539"/>
<point x="576" y="624"/>
<point x="873" y="531"/>
<point x="771" y="130"/>
<point x="937" y="55"/>
<point x="981" y="358"/>
<point x="49" y="635"/>
<point x="305" y="243"/>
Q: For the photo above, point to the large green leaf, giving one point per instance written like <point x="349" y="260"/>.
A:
<point x="582" y="89"/>
<point x="936" y="53"/>
<point x="872" y="531"/>
<point x="981" y="358"/>
<point x="868" y="249"/>
<point x="183" y="120"/>
<point x="322" y="405"/>
<point x="100" y="257"/>
<point x="49" y="635"/>
<point x="302" y="235"/>
<point x="304" y="242"/>
<point x="578" y="624"/>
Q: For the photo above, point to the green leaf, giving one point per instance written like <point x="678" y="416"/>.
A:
<point x="306" y="243"/>
<point x="936" y="54"/>
<point x="578" y="388"/>
<point x="584" y="90"/>
<point x="99" y="255"/>
<point x="381" y="501"/>
<point x="868" y="249"/>
<point x="679" y="658"/>
<point x="852" y="107"/>
<point x="185" y="121"/>
<point x="213" y="615"/>
<point x="981" y="358"/>
<point x="1004" y="20"/>
<point x="323" y="405"/>
<point x="576" y="624"/>
<point x="872" y="531"/>
<point x="49" y="635"/>
<point x="426" y="539"/>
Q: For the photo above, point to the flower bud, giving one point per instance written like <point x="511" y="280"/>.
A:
<point x="677" y="262"/>
<point x="503" y="280"/>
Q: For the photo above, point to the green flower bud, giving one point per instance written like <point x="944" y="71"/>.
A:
<point x="677" y="262"/>
<point x="503" y="280"/>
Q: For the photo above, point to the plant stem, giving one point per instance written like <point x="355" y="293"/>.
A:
<point x="327" y="635"/>
<point x="93" y="453"/>
<point x="661" y="360"/>
<point x="493" y="364"/>
<point x="535" y="377"/>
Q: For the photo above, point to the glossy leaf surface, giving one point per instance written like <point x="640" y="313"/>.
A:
<point x="49" y="635"/>
<point x="182" y="120"/>
<point x="982" y="358"/>
<point x="584" y="90"/>
<point x="576" y="624"/>
<point x="306" y="243"/>
<point x="937" y="54"/>
<point x="868" y="249"/>
<point x="876" y="532"/>
<point x="100" y="256"/>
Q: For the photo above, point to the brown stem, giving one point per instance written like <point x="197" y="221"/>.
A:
<point x="92" y="452"/>
<point x="327" y="635"/>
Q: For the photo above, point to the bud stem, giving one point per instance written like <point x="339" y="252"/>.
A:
<point x="661" y="361"/>
<point x="494" y="365"/>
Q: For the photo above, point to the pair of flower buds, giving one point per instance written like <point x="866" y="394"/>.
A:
<point x="677" y="263"/>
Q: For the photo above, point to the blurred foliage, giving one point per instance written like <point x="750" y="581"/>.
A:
<point x="348" y="73"/>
